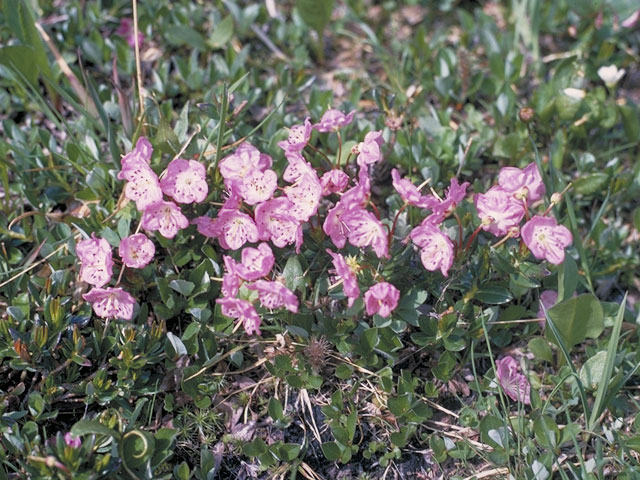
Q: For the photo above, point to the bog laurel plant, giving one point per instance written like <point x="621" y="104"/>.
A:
<point x="319" y="239"/>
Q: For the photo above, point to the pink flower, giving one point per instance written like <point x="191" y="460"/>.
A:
<point x="443" y="208"/>
<point x="370" y="149"/>
<point x="333" y="120"/>
<point x="498" y="210"/>
<point x="299" y="136"/>
<point x="143" y="186"/>
<point x="111" y="302"/>
<point x="256" y="262"/>
<point x="97" y="261"/>
<point x="233" y="229"/>
<point x="235" y="167"/>
<point x="206" y="226"/>
<point x="243" y="311"/>
<point x="274" y="295"/>
<point x="546" y="239"/>
<point x="185" y="181"/>
<point x="71" y="440"/>
<point x="514" y="384"/>
<point x="126" y="30"/>
<point x="276" y="223"/>
<point x="346" y="276"/>
<point x="297" y="167"/>
<point x="305" y="195"/>
<point x="140" y="154"/>
<point x="136" y="250"/>
<point x="437" y="251"/>
<point x="334" y="181"/>
<point x="407" y="190"/>
<point x="258" y="186"/>
<point x="365" y="230"/>
<point x="164" y="217"/>
<point x="526" y="183"/>
<point x="354" y="198"/>
<point x="382" y="298"/>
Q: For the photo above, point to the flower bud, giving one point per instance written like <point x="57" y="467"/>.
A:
<point x="526" y="114"/>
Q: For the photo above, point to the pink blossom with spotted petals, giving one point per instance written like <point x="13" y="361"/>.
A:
<point x="236" y="166"/>
<point x="299" y="136"/>
<point x="256" y="262"/>
<point x="298" y="167"/>
<point x="382" y="298"/>
<point x="257" y="186"/>
<point x="333" y="120"/>
<point x="185" y="181"/>
<point x="276" y="223"/>
<point x="111" y="302"/>
<point x="514" y="383"/>
<point x="347" y="276"/>
<point x="127" y="31"/>
<point x="436" y="248"/>
<point x="140" y="154"/>
<point x="235" y="228"/>
<point x="72" y="441"/>
<point x="365" y="230"/>
<point x="546" y="239"/>
<point x="275" y="295"/>
<point x="164" y="217"/>
<point x="334" y="181"/>
<point x="369" y="149"/>
<point x="96" y="261"/>
<point x="143" y="186"/>
<point x="498" y="210"/>
<point x="243" y="311"/>
<point x="305" y="196"/>
<point x="136" y="250"/>
<point x="526" y="183"/>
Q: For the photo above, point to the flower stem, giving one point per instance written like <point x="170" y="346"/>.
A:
<point x="395" y="220"/>
<point x="473" y="236"/>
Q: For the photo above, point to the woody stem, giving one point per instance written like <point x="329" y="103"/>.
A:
<point x="395" y="220"/>
<point x="473" y="236"/>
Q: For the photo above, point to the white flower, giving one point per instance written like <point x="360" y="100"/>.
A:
<point x="611" y="75"/>
<point x="574" y="93"/>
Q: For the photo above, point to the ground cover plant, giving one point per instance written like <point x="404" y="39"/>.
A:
<point x="318" y="239"/>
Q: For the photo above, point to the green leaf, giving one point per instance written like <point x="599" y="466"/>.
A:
<point x="183" y="35"/>
<point x="92" y="427"/>
<point x="315" y="13"/>
<point x="182" y="286"/>
<point x="293" y="274"/>
<point x="630" y="122"/>
<point x="222" y="33"/>
<point x="332" y="451"/>
<point x="275" y="409"/>
<point x="137" y="447"/>
<point x="369" y="340"/>
<point x="593" y="369"/>
<point x="493" y="295"/>
<point x="576" y="319"/>
<point x="591" y="183"/>
<point x="541" y="349"/>
<point x="20" y="58"/>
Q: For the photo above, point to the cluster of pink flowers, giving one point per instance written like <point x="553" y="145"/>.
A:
<point x="503" y="207"/>
<point x="184" y="181"/>
<point x="260" y="210"/>
<point x="251" y="272"/>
